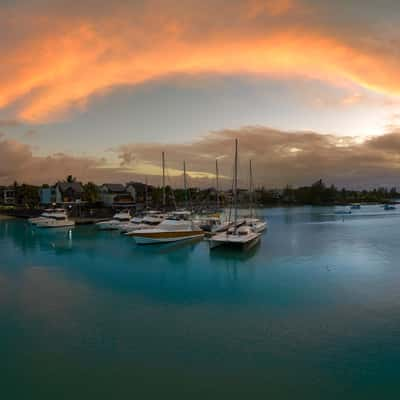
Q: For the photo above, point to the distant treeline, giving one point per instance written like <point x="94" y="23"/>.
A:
<point x="321" y="194"/>
<point x="27" y="196"/>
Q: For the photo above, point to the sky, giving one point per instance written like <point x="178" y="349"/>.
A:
<point x="310" y="88"/>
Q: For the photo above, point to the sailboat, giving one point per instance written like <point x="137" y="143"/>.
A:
<point x="242" y="237"/>
<point x="177" y="226"/>
<point x="257" y="224"/>
<point x="214" y="223"/>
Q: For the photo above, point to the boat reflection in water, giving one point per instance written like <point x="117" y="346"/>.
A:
<point x="235" y="253"/>
<point x="171" y="247"/>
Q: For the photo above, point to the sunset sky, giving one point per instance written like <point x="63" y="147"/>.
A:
<point x="99" y="88"/>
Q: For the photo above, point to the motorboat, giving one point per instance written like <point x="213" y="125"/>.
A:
<point x="146" y="222"/>
<point x="56" y="220"/>
<point x="389" y="207"/>
<point x="175" y="227"/>
<point x="213" y="224"/>
<point x="112" y="224"/>
<point x="153" y="218"/>
<point x="355" y="206"/>
<point x="131" y="225"/>
<point x="46" y="214"/>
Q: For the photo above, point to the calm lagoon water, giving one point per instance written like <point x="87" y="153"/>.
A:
<point x="312" y="312"/>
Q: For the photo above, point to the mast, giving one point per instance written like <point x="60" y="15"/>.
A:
<point x="185" y="184"/>
<point x="217" y="182"/>
<point x="251" y="190"/>
<point x="235" y="185"/>
<point x="164" y="202"/>
<point x="146" y="196"/>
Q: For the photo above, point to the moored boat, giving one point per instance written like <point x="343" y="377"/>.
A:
<point x="176" y="227"/>
<point x="56" y="220"/>
<point x="213" y="224"/>
<point x="45" y="215"/>
<point x="151" y="220"/>
<point x="130" y="225"/>
<point x="258" y="225"/>
<point x="242" y="237"/>
<point x="118" y="219"/>
<point x="389" y="207"/>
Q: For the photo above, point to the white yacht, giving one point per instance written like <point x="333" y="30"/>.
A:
<point x="118" y="219"/>
<point x="47" y="213"/>
<point x="175" y="227"/>
<point x="242" y="237"/>
<point x="213" y="224"/>
<point x="56" y="220"/>
<point x="148" y="221"/>
<point x="131" y="225"/>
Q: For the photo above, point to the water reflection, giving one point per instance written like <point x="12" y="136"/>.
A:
<point x="232" y="254"/>
<point x="168" y="248"/>
<point x="315" y="303"/>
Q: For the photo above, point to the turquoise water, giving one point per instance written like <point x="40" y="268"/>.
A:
<point x="312" y="312"/>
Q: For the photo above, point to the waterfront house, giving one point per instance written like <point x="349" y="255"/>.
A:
<point x="116" y="195"/>
<point x="7" y="195"/>
<point x="139" y="191"/>
<point x="68" y="192"/>
<point x="48" y="195"/>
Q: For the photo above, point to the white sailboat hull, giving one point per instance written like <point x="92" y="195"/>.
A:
<point x="235" y="241"/>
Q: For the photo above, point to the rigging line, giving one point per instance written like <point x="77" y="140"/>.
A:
<point x="172" y="194"/>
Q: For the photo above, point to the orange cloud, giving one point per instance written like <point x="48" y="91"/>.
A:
<point x="59" y="61"/>
<point x="279" y="158"/>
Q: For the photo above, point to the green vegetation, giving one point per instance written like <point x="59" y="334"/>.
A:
<point x="320" y="194"/>
<point x="91" y="193"/>
<point x="27" y="196"/>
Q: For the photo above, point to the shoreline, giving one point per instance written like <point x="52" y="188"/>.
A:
<point x="4" y="217"/>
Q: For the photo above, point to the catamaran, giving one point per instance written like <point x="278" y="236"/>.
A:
<point x="256" y="224"/>
<point x="213" y="223"/>
<point x="243" y="237"/>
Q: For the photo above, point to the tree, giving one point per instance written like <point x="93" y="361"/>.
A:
<point x="71" y="179"/>
<point x="91" y="193"/>
<point x="27" y="196"/>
